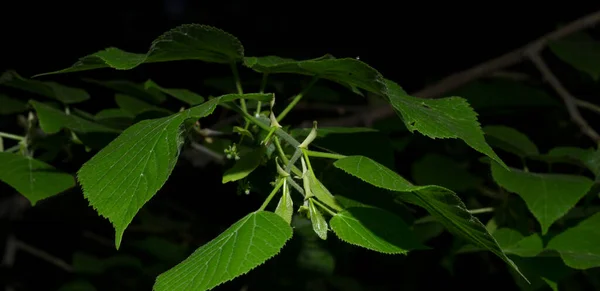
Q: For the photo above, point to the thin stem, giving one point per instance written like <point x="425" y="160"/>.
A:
<point x="277" y="186"/>
<point x="238" y="85"/>
<point x="280" y="150"/>
<point x="296" y="99"/>
<point x="481" y="210"/>
<point x="263" y="85"/>
<point x="307" y="161"/>
<point x="295" y="185"/>
<point x="323" y="207"/>
<point x="323" y="155"/>
<point x="11" y="136"/>
<point x="587" y="105"/>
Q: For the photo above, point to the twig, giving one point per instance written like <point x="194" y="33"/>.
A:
<point x="461" y="78"/>
<point x="219" y="158"/>
<point x="567" y="98"/>
<point x="13" y="245"/>
<point x="587" y="105"/>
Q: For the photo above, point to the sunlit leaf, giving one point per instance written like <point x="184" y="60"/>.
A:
<point x="450" y="117"/>
<point x="184" y="95"/>
<point x="185" y="42"/>
<point x="62" y="93"/>
<point x="34" y="179"/>
<point x="53" y="120"/>
<point x="244" y="166"/>
<point x="374" y="229"/>
<point x="441" y="170"/>
<point x="242" y="247"/>
<point x="125" y="174"/>
<point x="510" y="140"/>
<point x="440" y="202"/>
<point x="579" y="246"/>
<point x="579" y="50"/>
<point x="11" y="105"/>
<point x="548" y="196"/>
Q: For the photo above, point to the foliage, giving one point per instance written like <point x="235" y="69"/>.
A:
<point x="139" y="142"/>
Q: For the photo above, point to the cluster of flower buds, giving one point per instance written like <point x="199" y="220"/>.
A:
<point x="231" y="152"/>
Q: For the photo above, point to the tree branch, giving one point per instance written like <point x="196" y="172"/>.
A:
<point x="567" y="98"/>
<point x="461" y="78"/>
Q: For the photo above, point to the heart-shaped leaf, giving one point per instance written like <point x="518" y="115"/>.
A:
<point x="548" y="196"/>
<point x="242" y="247"/>
<point x="579" y="246"/>
<point x="374" y="229"/>
<point x="185" y="42"/>
<point x="34" y="179"/>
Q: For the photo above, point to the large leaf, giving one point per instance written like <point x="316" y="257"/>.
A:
<point x="440" y="202"/>
<point x="579" y="246"/>
<point x="589" y="158"/>
<point x="444" y="171"/>
<point x="440" y="118"/>
<point x="244" y="166"/>
<point x="579" y="50"/>
<point x="62" y="93"/>
<point x="184" y="95"/>
<point x="185" y="42"/>
<point x="125" y="174"/>
<point x="548" y="196"/>
<point x="374" y="229"/>
<point x="11" y="105"/>
<point x="135" y="107"/>
<point x="510" y="140"/>
<point x="53" y="120"/>
<point x="348" y="71"/>
<point x="34" y="179"/>
<point x="138" y="90"/>
<point x="513" y="242"/>
<point x="242" y="247"/>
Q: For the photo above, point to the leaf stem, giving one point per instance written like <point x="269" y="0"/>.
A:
<point x="280" y="150"/>
<point x="482" y="210"/>
<point x="324" y="207"/>
<point x="11" y="136"/>
<point x="297" y="99"/>
<point x="273" y="192"/>
<point x="323" y="155"/>
<point x="263" y="85"/>
<point x="307" y="161"/>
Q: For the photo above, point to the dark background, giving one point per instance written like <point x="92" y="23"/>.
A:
<point x="410" y="42"/>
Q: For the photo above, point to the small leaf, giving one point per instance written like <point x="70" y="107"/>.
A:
<point x="510" y="140"/>
<point x="579" y="50"/>
<point x="125" y="174"/>
<point x="62" y="93"/>
<point x="374" y="229"/>
<point x="318" y="221"/>
<point x="440" y="202"/>
<point x="11" y="105"/>
<point x="242" y="247"/>
<point x="34" y="179"/>
<point x="134" y="106"/>
<point x="245" y="165"/>
<point x="137" y="90"/>
<point x="321" y="192"/>
<point x="513" y="242"/>
<point x="350" y="72"/>
<point x="184" y="95"/>
<point x="450" y="117"/>
<point x="285" y="207"/>
<point x="579" y="246"/>
<point x="548" y="196"/>
<point x="185" y="42"/>
<point x="243" y="131"/>
<point x="53" y="120"/>
<point x="441" y="170"/>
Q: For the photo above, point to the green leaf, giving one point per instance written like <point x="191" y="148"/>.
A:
<point x="11" y="105"/>
<point x="347" y="71"/>
<point x="441" y="170"/>
<point x="322" y="193"/>
<point x="543" y="271"/>
<point x="440" y="202"/>
<point x="548" y="196"/>
<point x="53" y="120"/>
<point x="113" y="113"/>
<point x="137" y="90"/>
<point x="245" y="165"/>
<point x="513" y="242"/>
<point x="510" y="140"/>
<point x="374" y="229"/>
<point x="497" y="94"/>
<point x="243" y="131"/>
<point x="589" y="158"/>
<point x="579" y="246"/>
<point x="579" y="50"/>
<point x="450" y="117"/>
<point x="125" y="174"/>
<point x="34" y="179"/>
<point x="184" y="95"/>
<point x="242" y="247"/>
<point x="62" y="93"/>
<point x="134" y="106"/>
<point x="185" y="42"/>
<point x="285" y="207"/>
<point x="319" y="223"/>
